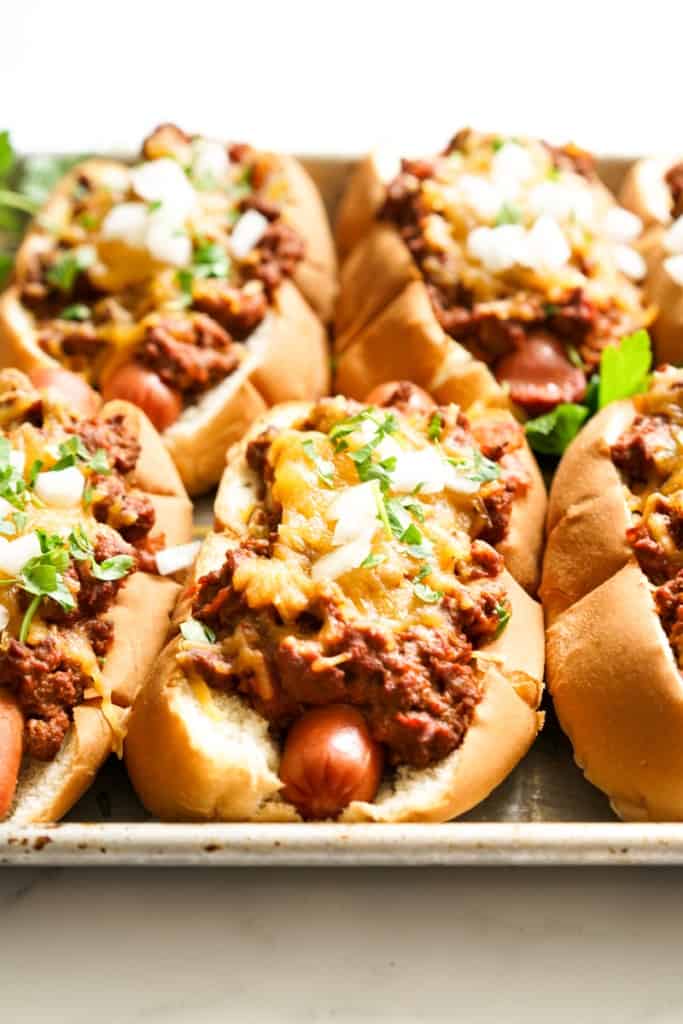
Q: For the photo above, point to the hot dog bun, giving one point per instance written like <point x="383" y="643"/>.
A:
<point x="284" y="357"/>
<point x="140" y="616"/>
<point x="611" y="669"/>
<point x="194" y="752"/>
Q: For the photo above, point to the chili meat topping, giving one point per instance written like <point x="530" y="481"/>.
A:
<point x="368" y="574"/>
<point x="526" y="258"/>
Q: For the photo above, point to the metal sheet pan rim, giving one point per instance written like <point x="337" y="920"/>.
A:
<point x="455" y="844"/>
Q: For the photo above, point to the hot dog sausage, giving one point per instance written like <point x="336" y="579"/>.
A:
<point x="11" y="732"/>
<point x="144" y="388"/>
<point x="329" y="760"/>
<point x="540" y="375"/>
<point x="77" y="394"/>
<point x="403" y="395"/>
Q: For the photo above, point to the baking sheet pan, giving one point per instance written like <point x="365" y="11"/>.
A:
<point x="544" y="813"/>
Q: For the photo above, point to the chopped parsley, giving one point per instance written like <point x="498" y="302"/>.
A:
<point x="197" y="632"/>
<point x="508" y="214"/>
<point x="551" y="433"/>
<point x="77" y="311"/>
<point x="43" y="576"/>
<point x="371" y="561"/>
<point x="625" y="368"/>
<point x="110" y="569"/>
<point x="476" y="467"/>
<point x="210" y="260"/>
<point x="73" y="451"/>
<point x="324" y="467"/>
<point x="422" y="591"/>
<point x="63" y="273"/>
<point x="12" y="483"/>
<point x="503" y="613"/>
<point x="435" y="427"/>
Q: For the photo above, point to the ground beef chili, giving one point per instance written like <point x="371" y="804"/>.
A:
<point x="416" y="684"/>
<point x="113" y="436"/>
<point x="495" y="313"/>
<point x="674" y="179"/>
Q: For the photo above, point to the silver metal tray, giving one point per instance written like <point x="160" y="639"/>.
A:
<point x="544" y="813"/>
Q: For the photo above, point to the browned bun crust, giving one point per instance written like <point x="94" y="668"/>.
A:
<point x="316" y="274"/>
<point x="646" y="194"/>
<point x="618" y="694"/>
<point x="285" y="358"/>
<point x="587" y="514"/>
<point x="141" y="616"/>
<point x="360" y="202"/>
<point x="390" y="332"/>
<point x="190" y="762"/>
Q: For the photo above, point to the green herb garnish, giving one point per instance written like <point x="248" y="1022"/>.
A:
<point x="43" y="576"/>
<point x="503" y="613"/>
<point x="624" y="368"/>
<point x="324" y="467"/>
<point x="435" y="427"/>
<point x="551" y="433"/>
<point x="508" y="214"/>
<point x="371" y="561"/>
<point x="476" y="467"/>
<point x="77" y="311"/>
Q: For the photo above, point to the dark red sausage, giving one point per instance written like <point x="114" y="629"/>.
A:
<point x="541" y="376"/>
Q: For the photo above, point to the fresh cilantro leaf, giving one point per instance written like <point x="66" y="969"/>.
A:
<point x="7" y="157"/>
<point x="476" y="467"/>
<point x="71" y="452"/>
<point x="592" y="394"/>
<point x="574" y="357"/>
<point x="80" y="547"/>
<point x="210" y="260"/>
<point x="40" y="174"/>
<point x="33" y="472"/>
<point x="426" y="594"/>
<point x="113" y="568"/>
<point x="551" y="433"/>
<point x="503" y="613"/>
<point x="624" y="368"/>
<point x="497" y="143"/>
<point x="197" y="632"/>
<point x="154" y="205"/>
<point x="12" y="483"/>
<point x="371" y="561"/>
<point x="20" y="520"/>
<point x="63" y="273"/>
<point x="550" y="309"/>
<point x="508" y="214"/>
<point x="77" y="311"/>
<point x="324" y="467"/>
<point x="99" y="463"/>
<point x="411" y="505"/>
<point x="42" y="577"/>
<point x="435" y="427"/>
<point x="6" y="264"/>
<point x="185" y="279"/>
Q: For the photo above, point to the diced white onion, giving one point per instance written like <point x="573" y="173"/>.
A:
<point x="546" y="246"/>
<point x="17" y="460"/>
<point x="621" y="225"/>
<point x="170" y="560"/>
<point x="387" y="164"/>
<point x="655" y="190"/>
<point x="167" y="242"/>
<point x="459" y="483"/>
<point x="127" y="223"/>
<point x="341" y="560"/>
<point x="498" y="248"/>
<point x="672" y="239"/>
<point x="630" y="262"/>
<point x="426" y="467"/>
<point x="5" y="508"/>
<point x="165" y="181"/>
<point x="4" y="617"/>
<point x="14" y="554"/>
<point x="511" y="165"/>
<point x="61" y="487"/>
<point x="209" y="160"/>
<point x="674" y="268"/>
<point x="115" y="178"/>
<point x="248" y="232"/>
<point x="355" y="511"/>
<point x="561" y="200"/>
<point x="483" y="197"/>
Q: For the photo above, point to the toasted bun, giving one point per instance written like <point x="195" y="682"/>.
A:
<point x="46" y="790"/>
<point x="390" y="332"/>
<point x="194" y="754"/>
<point x="286" y="357"/>
<point x="646" y="194"/>
<point x="363" y="198"/>
<point x="587" y="514"/>
<point x="617" y="691"/>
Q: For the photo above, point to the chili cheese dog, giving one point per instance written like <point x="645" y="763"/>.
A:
<point x="194" y="285"/>
<point x="612" y="588"/>
<point x="352" y="644"/>
<point x="92" y="510"/>
<point x="500" y="267"/>
<point x="653" y="191"/>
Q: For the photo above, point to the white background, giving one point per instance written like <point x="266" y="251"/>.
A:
<point x="202" y="946"/>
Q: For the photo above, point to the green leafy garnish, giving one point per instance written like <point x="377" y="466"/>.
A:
<point x="476" y="467"/>
<point x="503" y="613"/>
<point x="43" y="577"/>
<point x="71" y="452"/>
<point x="63" y="273"/>
<point x="114" y="568"/>
<point x="77" y="311"/>
<point x="508" y="214"/>
<point x="99" y="463"/>
<point x="371" y="561"/>
<point x="20" y="520"/>
<point x="154" y="205"/>
<point x="435" y="427"/>
<point x="12" y="483"/>
<point x="426" y="594"/>
<point x="551" y="433"/>
<point x="197" y="632"/>
<point x="324" y="467"/>
<point x="210" y="260"/>
<point x="34" y="470"/>
<point x="624" y="368"/>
